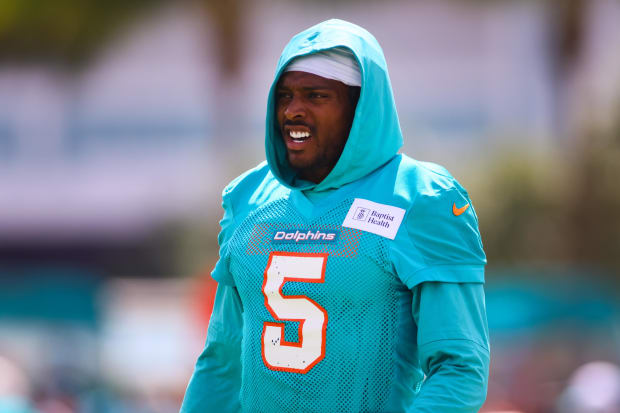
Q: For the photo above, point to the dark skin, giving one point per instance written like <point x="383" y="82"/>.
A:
<point x="315" y="115"/>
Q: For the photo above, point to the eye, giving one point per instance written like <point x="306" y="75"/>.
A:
<point x="318" y="95"/>
<point x="284" y="95"/>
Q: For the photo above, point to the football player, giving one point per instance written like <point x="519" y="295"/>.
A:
<point x="350" y="276"/>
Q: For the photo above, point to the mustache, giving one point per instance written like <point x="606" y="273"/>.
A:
<point x="294" y="123"/>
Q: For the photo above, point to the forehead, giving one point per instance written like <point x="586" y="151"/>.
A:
<point x="294" y="79"/>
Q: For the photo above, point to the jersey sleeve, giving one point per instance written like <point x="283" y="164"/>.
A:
<point x="453" y="347"/>
<point x="216" y="381"/>
<point x="221" y="272"/>
<point x="439" y="240"/>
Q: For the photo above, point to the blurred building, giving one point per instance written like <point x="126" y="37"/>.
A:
<point x="150" y="130"/>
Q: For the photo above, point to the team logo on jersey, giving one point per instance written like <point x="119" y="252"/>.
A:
<point x="380" y="219"/>
<point x="304" y="236"/>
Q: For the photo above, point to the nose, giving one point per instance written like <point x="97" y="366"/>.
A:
<point x="295" y="109"/>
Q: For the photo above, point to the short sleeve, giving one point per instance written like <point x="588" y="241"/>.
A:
<point x="221" y="272"/>
<point x="440" y="240"/>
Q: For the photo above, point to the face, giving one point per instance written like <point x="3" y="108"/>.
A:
<point x="315" y="116"/>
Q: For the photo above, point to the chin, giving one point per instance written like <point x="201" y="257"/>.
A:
<point x="299" y="164"/>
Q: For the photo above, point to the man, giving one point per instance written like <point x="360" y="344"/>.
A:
<point x="350" y="276"/>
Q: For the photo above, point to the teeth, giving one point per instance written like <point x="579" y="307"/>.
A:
<point x="299" y="135"/>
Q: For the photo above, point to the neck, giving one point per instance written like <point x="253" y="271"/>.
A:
<point x="314" y="175"/>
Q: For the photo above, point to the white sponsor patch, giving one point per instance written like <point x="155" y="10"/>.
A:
<point x="372" y="217"/>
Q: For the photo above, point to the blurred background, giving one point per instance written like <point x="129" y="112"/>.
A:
<point x="121" y="122"/>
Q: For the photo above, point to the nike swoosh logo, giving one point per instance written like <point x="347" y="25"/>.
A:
<point x="458" y="211"/>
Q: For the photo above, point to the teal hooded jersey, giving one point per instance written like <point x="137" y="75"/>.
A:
<point x="327" y="276"/>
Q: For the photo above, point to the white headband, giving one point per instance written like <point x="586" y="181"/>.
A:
<point x="337" y="64"/>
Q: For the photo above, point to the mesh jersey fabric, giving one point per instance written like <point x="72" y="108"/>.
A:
<point x="366" y="291"/>
<point x="361" y="297"/>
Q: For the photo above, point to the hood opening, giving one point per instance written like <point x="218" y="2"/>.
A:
<point x="375" y="135"/>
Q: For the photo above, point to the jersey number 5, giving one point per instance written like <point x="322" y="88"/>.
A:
<point x="279" y="354"/>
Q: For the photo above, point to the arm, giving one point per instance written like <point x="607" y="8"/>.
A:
<point x="453" y="346"/>
<point x="440" y="258"/>
<point x="215" y="384"/>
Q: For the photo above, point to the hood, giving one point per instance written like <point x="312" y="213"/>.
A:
<point x="375" y="135"/>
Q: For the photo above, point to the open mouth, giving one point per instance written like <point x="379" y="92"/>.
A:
<point x="299" y="136"/>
